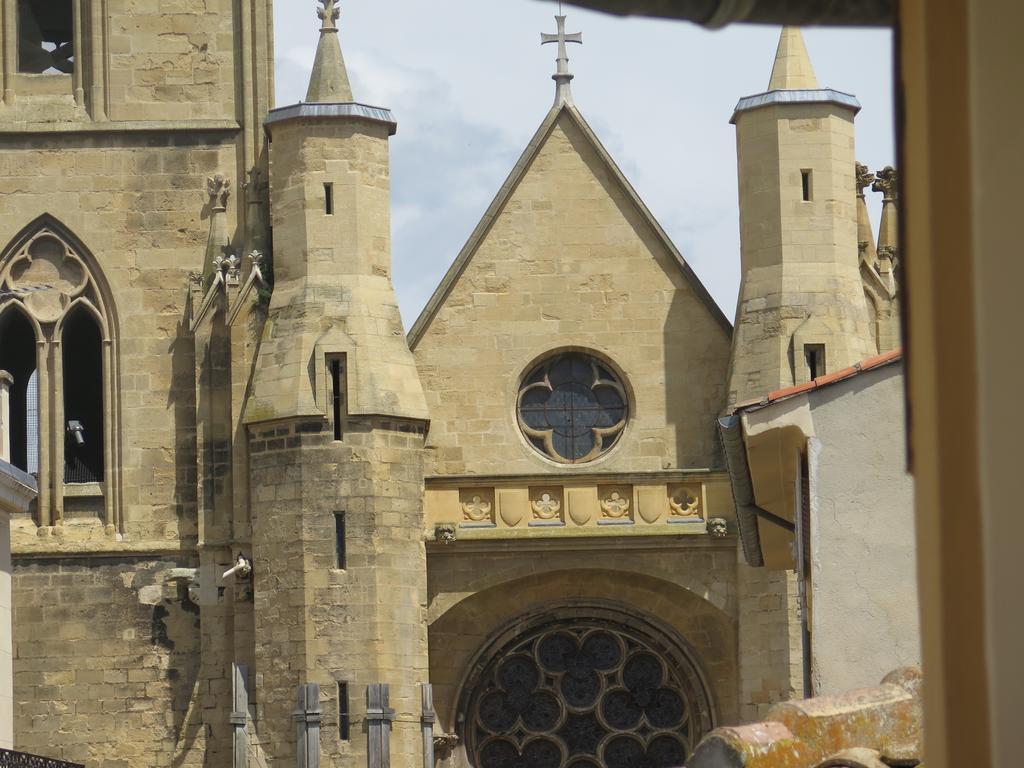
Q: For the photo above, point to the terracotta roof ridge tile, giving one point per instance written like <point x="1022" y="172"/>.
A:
<point x="863" y="366"/>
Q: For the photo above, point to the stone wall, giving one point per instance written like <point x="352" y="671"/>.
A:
<point x="139" y="208"/>
<point x="477" y="590"/>
<point x="171" y="61"/>
<point x="569" y="262"/>
<point x="317" y="622"/>
<point x="106" y="663"/>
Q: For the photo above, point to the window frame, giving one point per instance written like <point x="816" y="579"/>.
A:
<point x="92" y="294"/>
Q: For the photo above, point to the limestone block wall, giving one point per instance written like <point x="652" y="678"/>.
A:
<point x="139" y="205"/>
<point x="171" y="61"/>
<point x="770" y="651"/>
<point x="106" y="662"/>
<point x="570" y="262"/>
<point x="316" y="622"/>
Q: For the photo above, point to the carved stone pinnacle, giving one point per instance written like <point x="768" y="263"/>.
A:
<point x="219" y="190"/>
<point x="329" y="14"/>
<point x="887" y="182"/>
<point x="252" y="186"/>
<point x="864" y="178"/>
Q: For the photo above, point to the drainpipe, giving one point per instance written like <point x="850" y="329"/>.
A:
<point x="747" y="512"/>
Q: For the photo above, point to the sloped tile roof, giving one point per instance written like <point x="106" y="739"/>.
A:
<point x="822" y="381"/>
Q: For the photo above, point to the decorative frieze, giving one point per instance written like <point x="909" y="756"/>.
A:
<point x="616" y="505"/>
<point x="477" y="507"/>
<point x="504" y="507"/>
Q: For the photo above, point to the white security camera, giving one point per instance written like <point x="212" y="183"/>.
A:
<point x="242" y="567"/>
<point x="77" y="430"/>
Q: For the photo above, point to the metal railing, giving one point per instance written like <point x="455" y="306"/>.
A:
<point x="11" y="759"/>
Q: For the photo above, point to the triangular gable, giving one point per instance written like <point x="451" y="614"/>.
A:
<point x="446" y="285"/>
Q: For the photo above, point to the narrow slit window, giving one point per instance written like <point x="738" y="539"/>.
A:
<point x="337" y="371"/>
<point x="343" y="716"/>
<point x="815" y="356"/>
<point x="807" y="179"/>
<point x="46" y="37"/>
<point x="339" y="540"/>
<point x="329" y="199"/>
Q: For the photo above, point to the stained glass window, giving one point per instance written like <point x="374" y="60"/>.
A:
<point x="572" y="408"/>
<point x="586" y="694"/>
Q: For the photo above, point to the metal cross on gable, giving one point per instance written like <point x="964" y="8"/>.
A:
<point x="562" y="77"/>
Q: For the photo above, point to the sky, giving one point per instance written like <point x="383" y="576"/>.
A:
<point x="469" y="83"/>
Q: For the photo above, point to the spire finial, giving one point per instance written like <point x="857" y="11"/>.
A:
<point x="562" y="77"/>
<point x="329" y="15"/>
<point x="329" y="81"/>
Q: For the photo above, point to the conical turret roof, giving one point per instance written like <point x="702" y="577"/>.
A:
<point x="793" y="70"/>
<point x="328" y="83"/>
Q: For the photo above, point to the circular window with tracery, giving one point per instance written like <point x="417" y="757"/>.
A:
<point x="586" y="694"/>
<point x="572" y="408"/>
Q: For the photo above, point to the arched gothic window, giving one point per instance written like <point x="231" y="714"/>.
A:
<point x="586" y="692"/>
<point x="18" y="359"/>
<point x="58" y="342"/>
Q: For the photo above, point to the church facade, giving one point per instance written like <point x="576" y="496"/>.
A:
<point x="275" y="529"/>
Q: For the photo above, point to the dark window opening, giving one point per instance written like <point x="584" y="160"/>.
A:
<point x="82" y="346"/>
<point x="18" y="358"/>
<point x="339" y="540"/>
<point x="329" y="199"/>
<point x="343" y="716"/>
<point x="46" y="37"/>
<point x="573" y="408"/>
<point x="808" y="185"/>
<point x="815" y="356"/>
<point x="337" y="369"/>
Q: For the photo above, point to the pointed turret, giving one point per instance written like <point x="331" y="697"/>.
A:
<point x="793" y="70"/>
<point x="328" y="84"/>
<point x="802" y="311"/>
<point x="337" y="418"/>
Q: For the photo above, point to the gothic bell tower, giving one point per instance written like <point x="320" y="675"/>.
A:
<point x="802" y="311"/>
<point x="336" y="421"/>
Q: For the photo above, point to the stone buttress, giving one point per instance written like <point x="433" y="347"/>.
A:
<point x="336" y="419"/>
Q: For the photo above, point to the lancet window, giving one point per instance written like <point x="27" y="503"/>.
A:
<point x="58" y="341"/>
<point x="46" y="36"/>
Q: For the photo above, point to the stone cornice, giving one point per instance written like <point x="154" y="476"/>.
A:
<point x="121" y="126"/>
<point x="788" y="98"/>
<point x="348" y="111"/>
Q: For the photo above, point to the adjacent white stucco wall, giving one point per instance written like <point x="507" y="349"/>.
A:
<point x="863" y="555"/>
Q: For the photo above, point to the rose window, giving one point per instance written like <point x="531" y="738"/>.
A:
<point x="587" y="694"/>
<point x="572" y="408"/>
